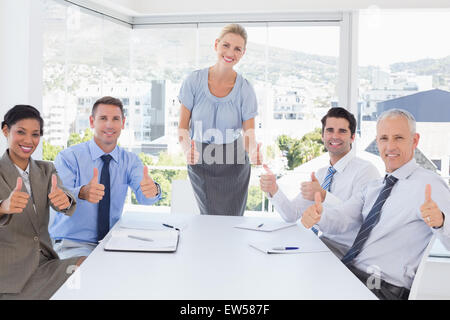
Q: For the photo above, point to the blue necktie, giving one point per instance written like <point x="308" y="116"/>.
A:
<point x="326" y="185"/>
<point x="103" y="205"/>
<point x="370" y="222"/>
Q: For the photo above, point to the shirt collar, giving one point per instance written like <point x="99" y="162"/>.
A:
<point x="27" y="170"/>
<point x="406" y="170"/>
<point x="344" y="161"/>
<point x="97" y="152"/>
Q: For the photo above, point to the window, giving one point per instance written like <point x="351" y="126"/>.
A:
<point x="412" y="74"/>
<point x="87" y="56"/>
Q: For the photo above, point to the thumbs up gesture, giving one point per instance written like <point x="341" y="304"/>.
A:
<point x="57" y="197"/>
<point x="17" y="200"/>
<point x="256" y="157"/>
<point x="148" y="186"/>
<point x="430" y="211"/>
<point x="268" y="181"/>
<point x="310" y="188"/>
<point x="312" y="215"/>
<point x="192" y="154"/>
<point x="93" y="191"/>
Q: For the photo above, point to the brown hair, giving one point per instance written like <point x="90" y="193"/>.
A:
<point x="110" y="101"/>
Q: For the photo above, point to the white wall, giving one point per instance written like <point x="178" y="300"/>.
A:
<point x="21" y="30"/>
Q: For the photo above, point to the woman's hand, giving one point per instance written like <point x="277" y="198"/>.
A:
<point x="256" y="157"/>
<point x="192" y="155"/>
<point x="17" y="200"/>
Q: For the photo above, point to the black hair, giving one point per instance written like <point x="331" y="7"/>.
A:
<point x="20" y="112"/>
<point x="339" y="112"/>
<point x="110" y="101"/>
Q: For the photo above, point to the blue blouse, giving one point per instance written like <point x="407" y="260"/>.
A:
<point x="213" y="119"/>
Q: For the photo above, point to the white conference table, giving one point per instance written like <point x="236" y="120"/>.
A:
<point x="214" y="262"/>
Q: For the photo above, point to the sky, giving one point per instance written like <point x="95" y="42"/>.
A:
<point x="385" y="37"/>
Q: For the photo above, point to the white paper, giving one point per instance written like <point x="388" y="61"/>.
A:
<point x="161" y="240"/>
<point x="269" y="247"/>
<point x="266" y="226"/>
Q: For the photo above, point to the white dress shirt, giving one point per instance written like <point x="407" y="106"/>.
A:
<point x="396" y="244"/>
<point x="352" y="174"/>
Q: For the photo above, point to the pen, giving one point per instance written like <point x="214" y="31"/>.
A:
<point x="140" y="238"/>
<point x="285" y="248"/>
<point x="169" y="226"/>
<point x="260" y="225"/>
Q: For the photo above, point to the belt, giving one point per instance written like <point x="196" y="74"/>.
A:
<point x="399" y="292"/>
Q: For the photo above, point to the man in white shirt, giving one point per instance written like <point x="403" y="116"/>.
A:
<point x="346" y="175"/>
<point x="397" y="215"/>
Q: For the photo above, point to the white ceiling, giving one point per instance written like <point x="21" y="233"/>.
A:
<point x="140" y="8"/>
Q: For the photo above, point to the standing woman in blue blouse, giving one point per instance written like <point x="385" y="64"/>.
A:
<point x="216" y="129"/>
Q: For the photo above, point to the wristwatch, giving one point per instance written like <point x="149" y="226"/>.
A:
<point x="158" y="187"/>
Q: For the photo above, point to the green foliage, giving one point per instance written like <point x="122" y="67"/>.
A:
<point x="76" y="138"/>
<point x="164" y="176"/>
<point x="49" y="151"/>
<point x="254" y="199"/>
<point x="146" y="159"/>
<point x="300" y="151"/>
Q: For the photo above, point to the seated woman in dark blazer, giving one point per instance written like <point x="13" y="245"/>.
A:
<point x="29" y="268"/>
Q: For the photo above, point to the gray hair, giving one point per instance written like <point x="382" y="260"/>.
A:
<point x="393" y="113"/>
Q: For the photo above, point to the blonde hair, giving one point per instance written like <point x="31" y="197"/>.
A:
<point x="236" y="29"/>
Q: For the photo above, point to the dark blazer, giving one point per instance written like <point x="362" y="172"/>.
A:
<point x="23" y="235"/>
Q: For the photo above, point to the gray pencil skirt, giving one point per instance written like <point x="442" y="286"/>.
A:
<point x="220" y="179"/>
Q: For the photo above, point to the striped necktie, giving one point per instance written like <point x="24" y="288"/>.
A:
<point x="326" y="185"/>
<point x="370" y="222"/>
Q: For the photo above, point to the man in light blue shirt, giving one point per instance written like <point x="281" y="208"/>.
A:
<point x="99" y="207"/>
<point x="398" y="215"/>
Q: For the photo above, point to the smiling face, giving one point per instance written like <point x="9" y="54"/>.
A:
<point x="396" y="142"/>
<point x="337" y="137"/>
<point x="230" y="49"/>
<point x="107" y="123"/>
<point x="23" y="138"/>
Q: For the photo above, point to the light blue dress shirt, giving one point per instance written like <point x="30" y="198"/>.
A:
<point x="396" y="244"/>
<point x="217" y="120"/>
<point x="75" y="167"/>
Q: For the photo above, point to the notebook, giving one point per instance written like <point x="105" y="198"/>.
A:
<point x="265" y="226"/>
<point x="143" y="240"/>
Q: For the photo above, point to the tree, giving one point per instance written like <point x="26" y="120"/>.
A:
<point x="164" y="176"/>
<point x="299" y="151"/>
<point x="76" y="138"/>
<point x="49" y="151"/>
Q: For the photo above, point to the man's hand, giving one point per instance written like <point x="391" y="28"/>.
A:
<point x="192" y="155"/>
<point x="17" y="200"/>
<point x="268" y="181"/>
<point x="430" y="211"/>
<point x="313" y="214"/>
<point x="57" y="197"/>
<point x="256" y="157"/>
<point x="310" y="188"/>
<point x="93" y="191"/>
<point x="148" y="186"/>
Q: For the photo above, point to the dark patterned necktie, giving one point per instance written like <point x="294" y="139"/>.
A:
<point x="104" y="204"/>
<point x="370" y="222"/>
